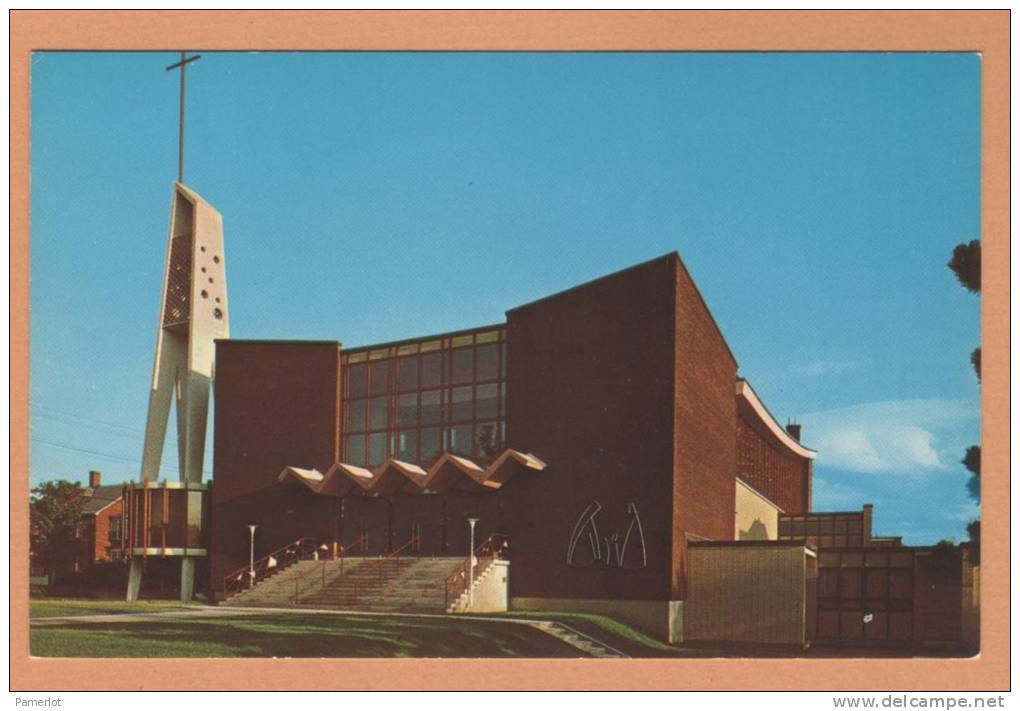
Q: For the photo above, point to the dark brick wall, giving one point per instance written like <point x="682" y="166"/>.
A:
<point x="704" y="454"/>
<point x="590" y="391"/>
<point x="276" y="404"/>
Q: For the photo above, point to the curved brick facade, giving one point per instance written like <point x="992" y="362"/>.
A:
<point x="769" y="466"/>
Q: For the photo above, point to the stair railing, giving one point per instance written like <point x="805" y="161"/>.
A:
<point x="247" y="576"/>
<point x="317" y="573"/>
<point x="493" y="548"/>
<point x="377" y="569"/>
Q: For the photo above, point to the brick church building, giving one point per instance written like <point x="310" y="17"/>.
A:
<point x="622" y="392"/>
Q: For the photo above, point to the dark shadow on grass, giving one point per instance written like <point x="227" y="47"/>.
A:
<point x="298" y="636"/>
<point x="617" y="635"/>
<point x="638" y="644"/>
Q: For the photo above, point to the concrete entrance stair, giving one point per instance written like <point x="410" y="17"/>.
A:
<point x="404" y="585"/>
<point x="273" y="590"/>
<point x="398" y="585"/>
<point x="366" y="584"/>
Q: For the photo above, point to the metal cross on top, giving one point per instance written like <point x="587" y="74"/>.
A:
<point x="182" y="65"/>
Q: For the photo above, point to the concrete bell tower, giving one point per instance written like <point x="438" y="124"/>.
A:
<point x="193" y="313"/>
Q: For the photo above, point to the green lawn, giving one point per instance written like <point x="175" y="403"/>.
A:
<point x="60" y="607"/>
<point x="296" y="635"/>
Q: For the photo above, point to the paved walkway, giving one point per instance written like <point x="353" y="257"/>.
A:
<point x="563" y="632"/>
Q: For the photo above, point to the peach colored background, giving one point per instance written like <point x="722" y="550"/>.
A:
<point x="979" y="31"/>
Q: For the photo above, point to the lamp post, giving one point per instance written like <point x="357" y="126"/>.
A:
<point x="471" y="563"/>
<point x="251" y="554"/>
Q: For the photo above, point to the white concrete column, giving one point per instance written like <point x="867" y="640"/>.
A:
<point x="134" y="579"/>
<point x="192" y="416"/>
<point x="187" y="579"/>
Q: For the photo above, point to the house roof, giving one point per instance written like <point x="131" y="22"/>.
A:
<point x="98" y="498"/>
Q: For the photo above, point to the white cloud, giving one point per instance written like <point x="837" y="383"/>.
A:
<point x="967" y="512"/>
<point x="892" y="436"/>
<point x="827" y="367"/>
<point x="830" y="496"/>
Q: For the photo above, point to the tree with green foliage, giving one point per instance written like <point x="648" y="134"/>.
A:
<point x="55" y="514"/>
<point x="972" y="460"/>
<point x="966" y="265"/>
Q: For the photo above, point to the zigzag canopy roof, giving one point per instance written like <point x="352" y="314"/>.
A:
<point x="450" y="471"/>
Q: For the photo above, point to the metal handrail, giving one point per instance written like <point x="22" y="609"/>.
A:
<point x="491" y="549"/>
<point x="303" y="547"/>
<point x="359" y="542"/>
<point x="360" y="576"/>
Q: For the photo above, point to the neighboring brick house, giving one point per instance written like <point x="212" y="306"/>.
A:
<point x="98" y="534"/>
<point x="101" y="521"/>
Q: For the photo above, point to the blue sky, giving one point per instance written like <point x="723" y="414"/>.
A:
<point x="815" y="198"/>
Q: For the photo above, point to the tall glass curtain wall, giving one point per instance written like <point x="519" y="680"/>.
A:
<point x="415" y="401"/>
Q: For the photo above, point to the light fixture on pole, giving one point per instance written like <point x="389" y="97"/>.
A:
<point x="251" y="554"/>
<point x="471" y="563"/>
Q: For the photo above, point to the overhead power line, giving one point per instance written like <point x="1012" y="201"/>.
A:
<point x="105" y="455"/>
<point x="92" y="423"/>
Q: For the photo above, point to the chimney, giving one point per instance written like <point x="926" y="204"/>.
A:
<point x="95" y="479"/>
<point x="794" y="431"/>
<point x="866" y="526"/>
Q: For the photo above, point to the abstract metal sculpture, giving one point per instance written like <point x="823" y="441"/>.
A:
<point x="614" y="554"/>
